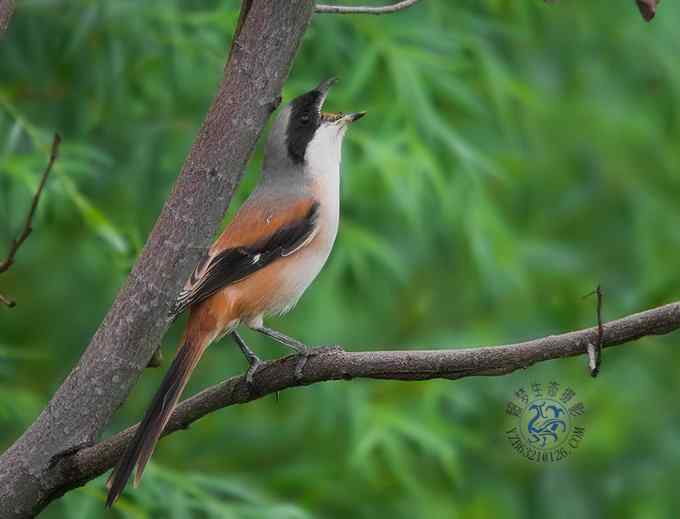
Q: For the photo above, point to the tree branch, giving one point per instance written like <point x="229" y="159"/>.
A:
<point x="6" y="12"/>
<point x="28" y="224"/>
<point x="360" y="9"/>
<point x="337" y="364"/>
<point x="49" y="458"/>
<point x="125" y="341"/>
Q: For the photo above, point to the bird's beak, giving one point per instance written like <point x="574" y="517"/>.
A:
<point x="323" y="89"/>
<point x="354" y="116"/>
<point x="351" y="117"/>
<point x="341" y="119"/>
<point x="326" y="85"/>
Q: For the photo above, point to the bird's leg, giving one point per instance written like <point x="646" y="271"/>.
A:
<point x="279" y="337"/>
<point x="300" y="348"/>
<point x="254" y="361"/>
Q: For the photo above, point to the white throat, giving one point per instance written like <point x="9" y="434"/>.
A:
<point x="323" y="154"/>
<point x="322" y="169"/>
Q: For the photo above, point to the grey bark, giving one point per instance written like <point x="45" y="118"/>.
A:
<point x="266" y="40"/>
<point x="334" y="363"/>
<point x="56" y="453"/>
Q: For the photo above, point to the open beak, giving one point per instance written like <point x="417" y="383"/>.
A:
<point x="341" y="119"/>
<point x="345" y="119"/>
<point x="323" y="89"/>
<point x="353" y="116"/>
<point x="326" y="85"/>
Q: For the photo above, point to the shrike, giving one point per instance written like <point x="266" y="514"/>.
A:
<point x="262" y="263"/>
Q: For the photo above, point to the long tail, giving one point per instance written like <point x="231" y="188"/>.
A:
<point x="140" y="449"/>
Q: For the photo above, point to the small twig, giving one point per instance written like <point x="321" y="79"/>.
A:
<point x="595" y="350"/>
<point x="25" y="233"/>
<point x="28" y="224"/>
<point x="361" y="9"/>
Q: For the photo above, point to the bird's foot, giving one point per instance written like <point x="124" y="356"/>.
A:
<point x="306" y="353"/>
<point x="303" y="351"/>
<point x="254" y="362"/>
<point x="254" y="365"/>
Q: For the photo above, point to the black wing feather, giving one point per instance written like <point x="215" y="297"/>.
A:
<point x="233" y="265"/>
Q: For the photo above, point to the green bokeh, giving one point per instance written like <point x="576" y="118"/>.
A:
<point x="515" y="155"/>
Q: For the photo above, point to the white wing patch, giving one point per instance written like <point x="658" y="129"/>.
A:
<point x="311" y="236"/>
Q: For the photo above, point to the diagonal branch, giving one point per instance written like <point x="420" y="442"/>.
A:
<point x="28" y="224"/>
<point x="259" y="61"/>
<point x="49" y="458"/>
<point x="360" y="9"/>
<point x="337" y="364"/>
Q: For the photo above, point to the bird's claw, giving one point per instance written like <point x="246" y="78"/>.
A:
<point x="305" y="353"/>
<point x="301" y="363"/>
<point x="255" y="365"/>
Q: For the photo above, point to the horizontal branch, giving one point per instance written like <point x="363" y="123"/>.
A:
<point x="334" y="363"/>
<point x="360" y="9"/>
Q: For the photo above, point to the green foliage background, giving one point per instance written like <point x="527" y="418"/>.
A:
<point x="516" y="154"/>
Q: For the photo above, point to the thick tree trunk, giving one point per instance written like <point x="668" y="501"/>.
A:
<point x="265" y="44"/>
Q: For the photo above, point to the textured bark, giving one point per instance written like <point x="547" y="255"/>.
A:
<point x="53" y="456"/>
<point x="259" y="62"/>
<point x="6" y="12"/>
<point x="334" y="363"/>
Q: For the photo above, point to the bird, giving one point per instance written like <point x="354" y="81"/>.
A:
<point x="261" y="264"/>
